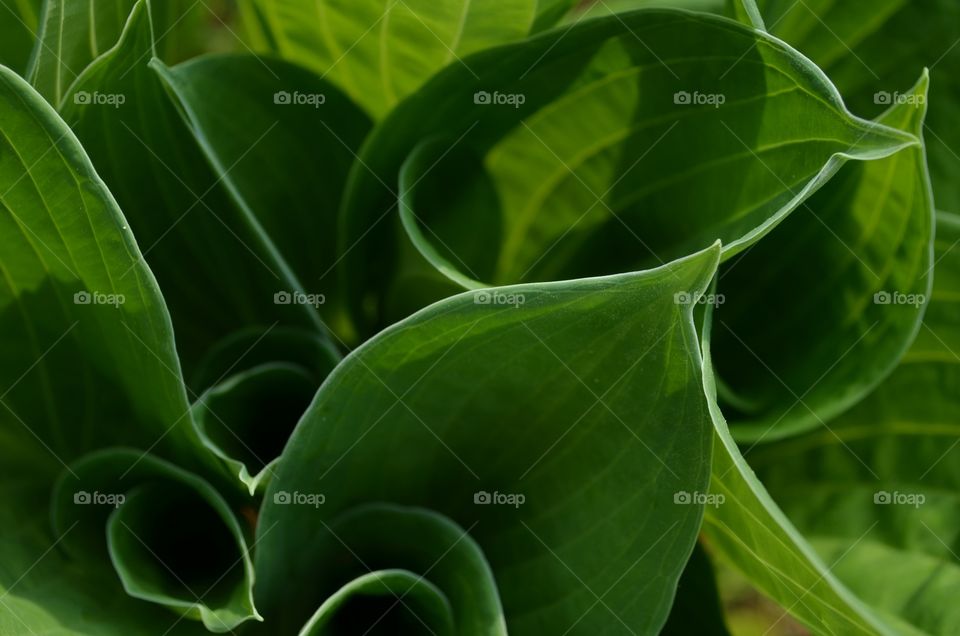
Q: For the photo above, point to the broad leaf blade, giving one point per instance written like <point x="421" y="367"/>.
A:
<point x="89" y="361"/>
<point x="380" y="51"/>
<point x="585" y="400"/>
<point x="891" y="530"/>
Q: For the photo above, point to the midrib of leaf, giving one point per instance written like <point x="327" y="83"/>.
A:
<point x="458" y="35"/>
<point x="92" y="18"/>
<point x="336" y="54"/>
<point x="385" y="74"/>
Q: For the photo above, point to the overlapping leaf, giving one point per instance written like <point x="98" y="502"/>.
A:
<point x="562" y="431"/>
<point x="876" y="492"/>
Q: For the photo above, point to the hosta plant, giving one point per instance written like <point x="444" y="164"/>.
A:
<point x="476" y="318"/>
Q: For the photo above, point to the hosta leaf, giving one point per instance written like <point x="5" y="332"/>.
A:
<point x="353" y="608"/>
<point x="89" y="360"/>
<point x="697" y="607"/>
<point x="603" y="167"/>
<point x="380" y="51"/>
<point x="877" y="492"/>
<point x="745" y="526"/>
<point x="172" y="538"/>
<point x="559" y="431"/>
<point x="71" y="35"/>
<point x="873" y="54"/>
<point x="422" y="541"/>
<point x="211" y="258"/>
<point x="864" y="237"/>
<point x="291" y="180"/>
<point x="246" y="419"/>
<point x="249" y="348"/>
<point x="18" y="27"/>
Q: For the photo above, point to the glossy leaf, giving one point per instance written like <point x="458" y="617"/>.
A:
<point x="876" y="493"/>
<point x="89" y="360"/>
<point x="571" y="490"/>
<point x="380" y="51"/>
<point x="18" y="28"/>
<point x="291" y="179"/>
<point x="211" y="258"/>
<point x="874" y="59"/>
<point x="600" y="165"/>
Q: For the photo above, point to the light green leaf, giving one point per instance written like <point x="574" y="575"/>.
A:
<point x="212" y="259"/>
<point x="748" y="530"/>
<point x="874" y="53"/>
<point x="89" y="360"/>
<point x="18" y="27"/>
<point x="71" y="35"/>
<point x="564" y="431"/>
<point x="171" y="537"/>
<point x="380" y="51"/>
<point x="588" y="160"/>
<point x="877" y="492"/>
<point x="291" y="180"/>
<point x="246" y="419"/>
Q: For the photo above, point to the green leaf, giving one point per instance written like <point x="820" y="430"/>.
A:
<point x="172" y="538"/>
<point x="89" y="361"/>
<point x="697" y="607"/>
<point x="18" y="31"/>
<point x="71" y="35"/>
<point x="873" y="54"/>
<point x="560" y="430"/>
<point x="379" y="52"/>
<point x="603" y="168"/>
<point x="211" y="258"/>
<point x="746" y="528"/>
<point x="246" y="419"/>
<point x="354" y="608"/>
<point x="461" y="597"/>
<point x="863" y="237"/>
<point x="877" y="492"/>
<point x="291" y="180"/>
